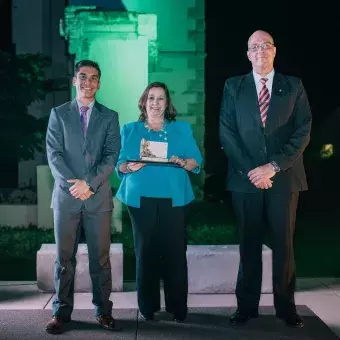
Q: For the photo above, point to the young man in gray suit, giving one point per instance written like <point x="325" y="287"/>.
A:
<point x="83" y="143"/>
<point x="265" y="126"/>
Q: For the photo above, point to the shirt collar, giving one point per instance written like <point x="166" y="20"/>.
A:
<point x="90" y="106"/>
<point x="269" y="76"/>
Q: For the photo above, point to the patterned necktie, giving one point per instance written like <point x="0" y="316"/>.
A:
<point x="83" y="111"/>
<point x="264" y="100"/>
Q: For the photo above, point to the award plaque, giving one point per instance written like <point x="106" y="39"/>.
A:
<point x="154" y="153"/>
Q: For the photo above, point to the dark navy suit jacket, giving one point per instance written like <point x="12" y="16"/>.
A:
<point x="286" y="135"/>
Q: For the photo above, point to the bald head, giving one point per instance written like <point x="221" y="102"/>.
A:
<point x="262" y="35"/>
<point x="261" y="52"/>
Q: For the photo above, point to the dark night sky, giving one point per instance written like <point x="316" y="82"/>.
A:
<point x="307" y="42"/>
<point x="5" y="23"/>
<point x="307" y="47"/>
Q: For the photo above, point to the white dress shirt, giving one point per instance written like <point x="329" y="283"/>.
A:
<point x="89" y="111"/>
<point x="269" y="82"/>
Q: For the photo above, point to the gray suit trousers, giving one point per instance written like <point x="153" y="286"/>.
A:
<point x="97" y="233"/>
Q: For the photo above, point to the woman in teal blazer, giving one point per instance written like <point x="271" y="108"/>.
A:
<point x="157" y="196"/>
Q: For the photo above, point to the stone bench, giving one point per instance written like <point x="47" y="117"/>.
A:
<point x="213" y="269"/>
<point x="45" y="268"/>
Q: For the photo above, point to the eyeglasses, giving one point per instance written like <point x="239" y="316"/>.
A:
<point x="257" y="47"/>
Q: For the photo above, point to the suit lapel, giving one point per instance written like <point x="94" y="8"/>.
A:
<point x="250" y="94"/>
<point x="251" y="99"/>
<point x="95" y="121"/>
<point x="278" y="91"/>
<point x="74" y="117"/>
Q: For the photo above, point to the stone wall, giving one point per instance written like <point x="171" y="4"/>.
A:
<point x="182" y="67"/>
<point x="176" y="36"/>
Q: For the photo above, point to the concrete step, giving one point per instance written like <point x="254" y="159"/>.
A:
<point x="213" y="269"/>
<point x="45" y="268"/>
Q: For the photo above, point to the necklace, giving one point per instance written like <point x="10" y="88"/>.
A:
<point x="162" y="132"/>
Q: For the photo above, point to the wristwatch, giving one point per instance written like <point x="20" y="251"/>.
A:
<point x="275" y="166"/>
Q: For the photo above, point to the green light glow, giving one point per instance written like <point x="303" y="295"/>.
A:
<point x="124" y="66"/>
<point x="124" y="45"/>
<point x="148" y="41"/>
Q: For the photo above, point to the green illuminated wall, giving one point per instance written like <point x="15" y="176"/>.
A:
<point x="122" y="44"/>
<point x="124" y="74"/>
<point x="156" y="40"/>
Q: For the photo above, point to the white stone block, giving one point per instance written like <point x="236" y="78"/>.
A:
<point x="45" y="268"/>
<point x="45" y="183"/>
<point x="117" y="215"/>
<point x="213" y="269"/>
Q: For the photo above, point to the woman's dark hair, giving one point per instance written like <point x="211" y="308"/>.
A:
<point x="170" y="111"/>
<point x="87" y="63"/>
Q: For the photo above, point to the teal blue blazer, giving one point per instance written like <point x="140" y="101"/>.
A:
<point x="156" y="180"/>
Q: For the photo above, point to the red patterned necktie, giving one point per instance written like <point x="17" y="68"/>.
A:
<point x="264" y="98"/>
<point x="83" y="111"/>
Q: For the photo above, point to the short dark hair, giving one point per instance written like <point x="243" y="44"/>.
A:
<point x="170" y="111"/>
<point x="87" y="63"/>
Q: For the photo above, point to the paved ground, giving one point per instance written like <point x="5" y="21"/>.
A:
<point x="320" y="295"/>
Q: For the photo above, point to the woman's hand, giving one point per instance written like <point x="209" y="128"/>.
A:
<point x="134" y="166"/>
<point x="188" y="163"/>
<point x="180" y="161"/>
<point x="129" y="167"/>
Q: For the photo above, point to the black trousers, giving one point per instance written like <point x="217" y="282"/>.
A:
<point x="160" y="242"/>
<point x="254" y="212"/>
<point x="97" y="227"/>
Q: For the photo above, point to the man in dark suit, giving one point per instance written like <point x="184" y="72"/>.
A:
<point x="265" y="125"/>
<point x="83" y="143"/>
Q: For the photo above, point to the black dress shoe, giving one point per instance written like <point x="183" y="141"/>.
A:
<point x="55" y="325"/>
<point x="240" y="318"/>
<point x="147" y="316"/>
<point x="292" y="320"/>
<point x="179" y="317"/>
<point x="107" y="322"/>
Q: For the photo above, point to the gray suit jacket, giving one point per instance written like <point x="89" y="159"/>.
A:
<point x="93" y="158"/>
